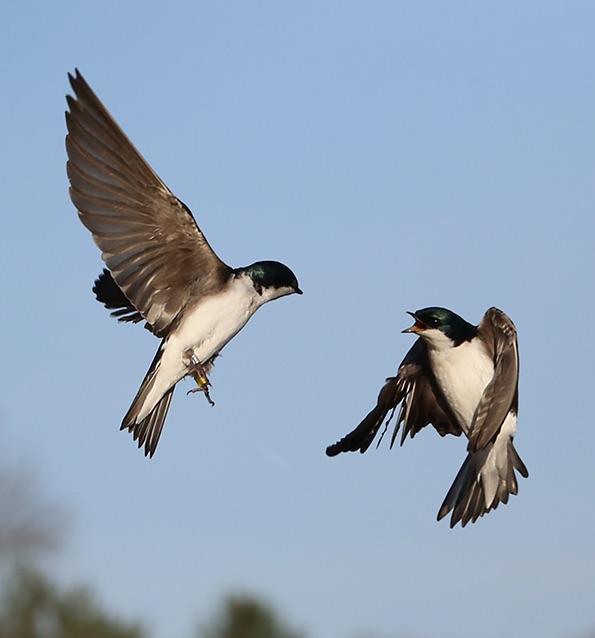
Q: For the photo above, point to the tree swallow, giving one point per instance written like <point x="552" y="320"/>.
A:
<point x="161" y="267"/>
<point x="459" y="378"/>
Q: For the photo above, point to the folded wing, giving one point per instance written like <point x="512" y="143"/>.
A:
<point x="501" y="394"/>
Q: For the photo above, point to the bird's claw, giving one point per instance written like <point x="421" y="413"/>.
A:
<point x="198" y="373"/>
<point x="205" y="390"/>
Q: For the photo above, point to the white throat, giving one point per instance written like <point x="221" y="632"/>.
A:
<point x="436" y="340"/>
<point x="267" y="294"/>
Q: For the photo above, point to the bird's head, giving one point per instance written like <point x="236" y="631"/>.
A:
<point x="441" y="326"/>
<point x="272" y="279"/>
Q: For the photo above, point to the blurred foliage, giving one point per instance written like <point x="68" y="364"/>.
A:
<point x="29" y="523"/>
<point x="246" y="617"/>
<point x="32" y="607"/>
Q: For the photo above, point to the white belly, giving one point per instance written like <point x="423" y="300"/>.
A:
<point x="206" y="330"/>
<point x="210" y="326"/>
<point x="462" y="373"/>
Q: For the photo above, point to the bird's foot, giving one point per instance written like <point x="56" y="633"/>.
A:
<point x="199" y="374"/>
<point x="202" y="388"/>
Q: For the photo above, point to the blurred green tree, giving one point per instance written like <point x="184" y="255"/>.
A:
<point x="30" y="524"/>
<point x="32" y="607"/>
<point x="246" y="617"/>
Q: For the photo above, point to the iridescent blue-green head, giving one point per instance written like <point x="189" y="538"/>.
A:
<point x="433" y="322"/>
<point x="272" y="279"/>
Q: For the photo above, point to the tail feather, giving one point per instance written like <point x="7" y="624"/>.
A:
<point x="470" y="507"/>
<point x="147" y="430"/>
<point x="486" y="479"/>
<point x="463" y="491"/>
<point x="517" y="462"/>
<point x="156" y="426"/>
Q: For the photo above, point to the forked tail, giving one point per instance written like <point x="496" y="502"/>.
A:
<point x="486" y="479"/>
<point x="146" y="426"/>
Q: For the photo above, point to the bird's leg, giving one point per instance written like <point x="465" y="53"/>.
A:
<point x="199" y="374"/>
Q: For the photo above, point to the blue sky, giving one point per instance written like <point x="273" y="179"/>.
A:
<point x="395" y="155"/>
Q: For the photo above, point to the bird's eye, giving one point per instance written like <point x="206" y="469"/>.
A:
<point x="434" y="321"/>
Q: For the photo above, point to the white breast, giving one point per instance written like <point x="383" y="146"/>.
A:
<point x="215" y="321"/>
<point x="206" y="329"/>
<point x="462" y="373"/>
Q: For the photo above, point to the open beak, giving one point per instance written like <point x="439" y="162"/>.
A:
<point x="417" y="327"/>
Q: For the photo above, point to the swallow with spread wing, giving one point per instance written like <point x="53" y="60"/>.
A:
<point x="459" y="378"/>
<point x="160" y="267"/>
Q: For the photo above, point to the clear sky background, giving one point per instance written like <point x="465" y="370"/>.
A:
<point x="395" y="155"/>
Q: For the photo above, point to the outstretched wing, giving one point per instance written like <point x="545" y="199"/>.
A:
<point x="413" y="389"/>
<point x="501" y="394"/>
<point x="149" y="239"/>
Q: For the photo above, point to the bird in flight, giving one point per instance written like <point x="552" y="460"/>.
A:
<point x="459" y="378"/>
<point x="160" y="267"/>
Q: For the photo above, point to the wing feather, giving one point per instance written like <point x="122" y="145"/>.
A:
<point x="155" y="251"/>
<point x="412" y="388"/>
<point x="501" y="394"/>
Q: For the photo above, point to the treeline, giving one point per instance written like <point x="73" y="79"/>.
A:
<point x="32" y="606"/>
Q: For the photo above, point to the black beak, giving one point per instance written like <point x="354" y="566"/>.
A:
<point x="417" y="327"/>
<point x="298" y="291"/>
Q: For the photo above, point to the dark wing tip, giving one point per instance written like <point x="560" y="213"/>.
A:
<point x="108" y="293"/>
<point x="333" y="450"/>
<point x="346" y="444"/>
<point x="76" y="79"/>
<point x="72" y="79"/>
<point x="360" y="439"/>
<point x="71" y="101"/>
<point x="442" y="512"/>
